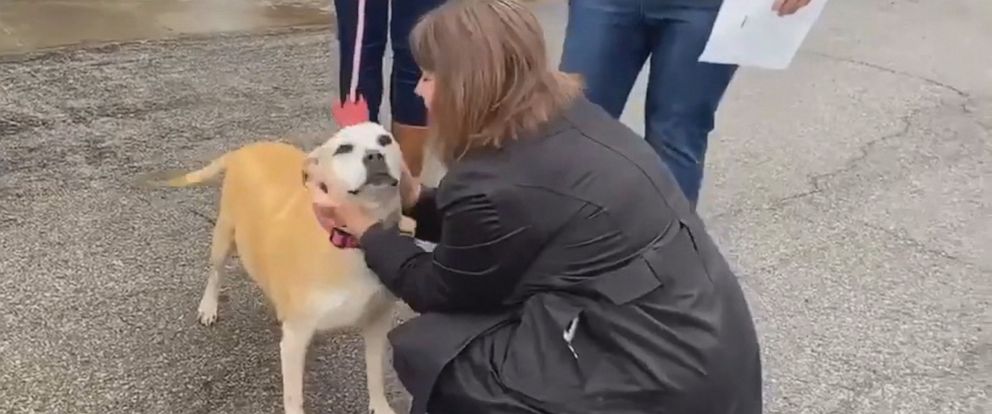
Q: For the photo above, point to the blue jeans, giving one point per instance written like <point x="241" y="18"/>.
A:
<point x="608" y="42"/>
<point x="406" y="107"/>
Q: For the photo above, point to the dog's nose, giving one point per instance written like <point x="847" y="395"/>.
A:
<point x="374" y="157"/>
<point x="374" y="160"/>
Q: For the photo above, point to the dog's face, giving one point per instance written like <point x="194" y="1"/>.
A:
<point x="363" y="160"/>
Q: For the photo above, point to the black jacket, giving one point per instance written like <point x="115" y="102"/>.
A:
<point x="570" y="276"/>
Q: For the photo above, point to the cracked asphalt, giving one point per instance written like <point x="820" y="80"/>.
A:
<point x="850" y="192"/>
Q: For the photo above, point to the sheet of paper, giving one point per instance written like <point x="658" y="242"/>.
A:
<point x="750" y="33"/>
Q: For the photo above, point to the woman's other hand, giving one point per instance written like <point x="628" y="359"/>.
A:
<point x="409" y="189"/>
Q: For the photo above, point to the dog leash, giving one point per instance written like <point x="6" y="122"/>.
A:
<point x="356" y="59"/>
<point x="354" y="109"/>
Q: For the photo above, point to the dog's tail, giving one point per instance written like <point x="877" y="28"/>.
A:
<point x="173" y="179"/>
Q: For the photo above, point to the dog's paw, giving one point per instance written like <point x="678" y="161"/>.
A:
<point x="207" y="312"/>
<point x="407" y="225"/>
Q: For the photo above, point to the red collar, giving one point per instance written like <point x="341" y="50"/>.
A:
<point x="343" y="240"/>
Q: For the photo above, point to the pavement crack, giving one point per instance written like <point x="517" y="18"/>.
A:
<point x="875" y="379"/>
<point x="817" y="182"/>
<point x="201" y="215"/>
<point x="965" y="106"/>
<point x="922" y="247"/>
<point x="896" y="72"/>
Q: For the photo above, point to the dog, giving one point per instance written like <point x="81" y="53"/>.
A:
<point x="266" y="215"/>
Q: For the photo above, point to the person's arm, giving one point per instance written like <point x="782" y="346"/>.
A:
<point x="426" y="214"/>
<point x="481" y="255"/>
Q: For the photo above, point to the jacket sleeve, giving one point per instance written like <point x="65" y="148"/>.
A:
<point x="427" y="216"/>
<point x="481" y="255"/>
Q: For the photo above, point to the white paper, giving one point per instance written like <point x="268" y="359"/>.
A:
<point x="750" y="33"/>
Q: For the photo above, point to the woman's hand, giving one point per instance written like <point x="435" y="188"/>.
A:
<point x="343" y="214"/>
<point x="409" y="189"/>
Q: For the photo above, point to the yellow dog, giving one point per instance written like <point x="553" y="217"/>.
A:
<point x="265" y="212"/>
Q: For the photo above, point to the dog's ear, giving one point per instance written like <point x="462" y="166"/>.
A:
<point x="319" y="177"/>
<point x="305" y="169"/>
<point x="325" y="192"/>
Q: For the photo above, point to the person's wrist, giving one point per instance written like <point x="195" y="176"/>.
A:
<point x="414" y="197"/>
<point x="358" y="229"/>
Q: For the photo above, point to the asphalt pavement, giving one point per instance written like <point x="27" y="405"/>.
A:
<point x="850" y="192"/>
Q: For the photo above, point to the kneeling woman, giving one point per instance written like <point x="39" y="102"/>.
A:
<point x="570" y="274"/>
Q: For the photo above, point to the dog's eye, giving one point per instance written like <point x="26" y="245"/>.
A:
<point x="323" y="187"/>
<point x="344" y="149"/>
<point x="306" y="177"/>
<point x="385" y="140"/>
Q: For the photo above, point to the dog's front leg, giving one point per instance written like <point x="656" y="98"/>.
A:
<point x="374" y="335"/>
<point x="293" y="350"/>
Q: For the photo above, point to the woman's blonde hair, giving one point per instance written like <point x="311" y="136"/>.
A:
<point x="492" y="80"/>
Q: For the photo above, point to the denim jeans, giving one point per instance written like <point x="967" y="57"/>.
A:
<point x="406" y="107"/>
<point x="608" y="42"/>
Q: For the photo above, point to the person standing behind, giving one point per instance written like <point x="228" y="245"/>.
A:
<point x="607" y="42"/>
<point x="408" y="111"/>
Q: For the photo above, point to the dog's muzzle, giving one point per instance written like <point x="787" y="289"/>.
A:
<point x="376" y="170"/>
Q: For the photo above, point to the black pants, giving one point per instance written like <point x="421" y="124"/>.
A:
<point x="406" y="107"/>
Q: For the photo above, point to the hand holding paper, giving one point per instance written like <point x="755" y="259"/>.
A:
<point x="787" y="7"/>
<point x="752" y="33"/>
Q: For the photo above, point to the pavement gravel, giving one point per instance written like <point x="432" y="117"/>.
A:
<point x="101" y="277"/>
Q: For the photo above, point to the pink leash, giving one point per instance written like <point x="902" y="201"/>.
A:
<point x="356" y="59"/>
<point x="354" y="109"/>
